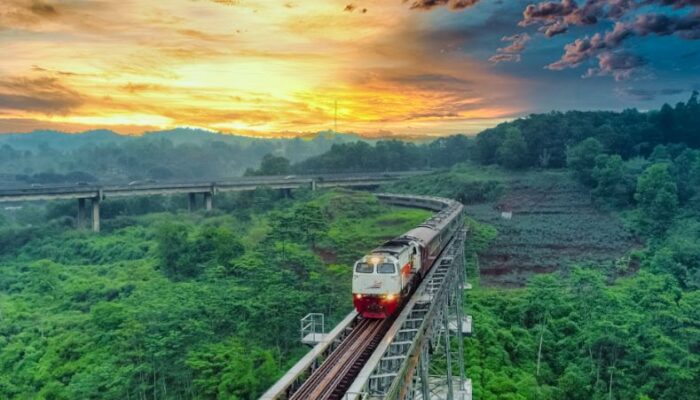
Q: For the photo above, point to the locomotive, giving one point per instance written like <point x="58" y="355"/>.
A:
<point x="385" y="278"/>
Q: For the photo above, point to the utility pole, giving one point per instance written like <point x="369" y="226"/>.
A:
<point x="336" y="116"/>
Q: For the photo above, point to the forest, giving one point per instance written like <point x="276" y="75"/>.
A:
<point x="181" y="154"/>
<point x="616" y="317"/>
<point x="590" y="291"/>
<point x="167" y="305"/>
<point x="539" y="140"/>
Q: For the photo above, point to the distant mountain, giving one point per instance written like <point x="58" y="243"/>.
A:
<point x="50" y="156"/>
<point x="68" y="141"/>
<point x="59" y="140"/>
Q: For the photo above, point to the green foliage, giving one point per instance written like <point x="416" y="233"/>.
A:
<point x="623" y="341"/>
<point x="389" y="155"/>
<point x="465" y="183"/>
<point x="512" y="152"/>
<point x="612" y="184"/>
<point x="270" y="165"/>
<point x="679" y="254"/>
<point x="231" y="370"/>
<point x="175" y="259"/>
<point x="629" y="134"/>
<point x="657" y="198"/>
<point x="173" y="305"/>
<point x="581" y="159"/>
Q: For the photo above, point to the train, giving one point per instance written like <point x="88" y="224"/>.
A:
<point x="383" y="279"/>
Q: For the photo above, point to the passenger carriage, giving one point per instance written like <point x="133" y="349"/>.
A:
<point x="387" y="276"/>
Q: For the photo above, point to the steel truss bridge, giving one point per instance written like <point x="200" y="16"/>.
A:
<point x="417" y="355"/>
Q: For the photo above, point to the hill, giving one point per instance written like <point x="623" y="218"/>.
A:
<point x="55" y="157"/>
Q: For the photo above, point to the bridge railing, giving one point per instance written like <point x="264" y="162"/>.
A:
<point x="399" y="367"/>
<point x="392" y="370"/>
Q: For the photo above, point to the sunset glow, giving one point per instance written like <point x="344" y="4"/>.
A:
<point x="261" y="68"/>
<point x="398" y="68"/>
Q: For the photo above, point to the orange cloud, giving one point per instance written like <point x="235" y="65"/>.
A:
<point x="262" y="68"/>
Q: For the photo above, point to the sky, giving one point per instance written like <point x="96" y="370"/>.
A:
<point x="390" y="68"/>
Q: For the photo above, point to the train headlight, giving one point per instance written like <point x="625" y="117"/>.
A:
<point x="390" y="297"/>
<point x="358" y="296"/>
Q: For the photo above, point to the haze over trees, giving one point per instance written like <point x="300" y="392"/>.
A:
<point x="53" y="157"/>
<point x="169" y="305"/>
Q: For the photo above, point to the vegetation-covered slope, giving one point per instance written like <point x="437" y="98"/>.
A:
<point x="167" y="306"/>
<point x="617" y="317"/>
<point x="54" y="157"/>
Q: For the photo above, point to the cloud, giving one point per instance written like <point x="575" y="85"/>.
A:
<point x="577" y="52"/>
<point x="452" y="4"/>
<point x="46" y="95"/>
<point x="498" y="58"/>
<point x="511" y="53"/>
<point x="434" y="82"/>
<point x="44" y="9"/>
<point x="556" y="17"/>
<point x="620" y="65"/>
<point x="580" y="50"/>
<point x="203" y="36"/>
<point x="547" y="12"/>
<point x="144" y="87"/>
<point x="184" y="64"/>
<point x="685" y="26"/>
<point x="26" y="12"/>
<point x="352" y="7"/>
<point x="568" y="12"/>
<point x="647" y="94"/>
<point x="227" y="2"/>
<point x="517" y="45"/>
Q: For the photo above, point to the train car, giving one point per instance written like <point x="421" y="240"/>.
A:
<point x="385" y="278"/>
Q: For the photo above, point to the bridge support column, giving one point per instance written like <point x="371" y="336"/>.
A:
<point x="208" y="201"/>
<point x="313" y="185"/>
<point x="192" y="201"/>
<point x="424" y="365"/>
<point x="96" y="214"/>
<point x="81" y="214"/>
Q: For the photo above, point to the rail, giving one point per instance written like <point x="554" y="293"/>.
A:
<point x="355" y="366"/>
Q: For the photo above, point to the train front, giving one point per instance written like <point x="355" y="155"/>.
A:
<point x="376" y="286"/>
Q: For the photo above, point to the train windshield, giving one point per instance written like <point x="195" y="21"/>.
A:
<point x="364" y="268"/>
<point x="386" y="268"/>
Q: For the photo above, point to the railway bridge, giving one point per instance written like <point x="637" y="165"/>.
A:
<point x="96" y="193"/>
<point x="416" y="354"/>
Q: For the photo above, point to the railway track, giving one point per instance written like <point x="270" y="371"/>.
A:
<point x="328" y="376"/>
<point x="336" y="374"/>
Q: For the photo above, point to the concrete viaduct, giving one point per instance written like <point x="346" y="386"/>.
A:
<point x="96" y="193"/>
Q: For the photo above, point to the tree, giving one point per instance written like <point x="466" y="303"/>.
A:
<point x="610" y="175"/>
<point x="232" y="370"/>
<point x="685" y="169"/>
<point x="581" y="159"/>
<point x="173" y="251"/>
<point x="512" y="153"/>
<point x="216" y="244"/>
<point x="270" y="165"/>
<point x="657" y="198"/>
<point x="312" y="221"/>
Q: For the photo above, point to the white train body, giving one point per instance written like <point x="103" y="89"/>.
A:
<point x="385" y="277"/>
